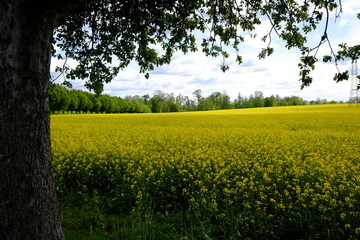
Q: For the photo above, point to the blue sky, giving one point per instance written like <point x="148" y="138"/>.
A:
<point x="277" y="74"/>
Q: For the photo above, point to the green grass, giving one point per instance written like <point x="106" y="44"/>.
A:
<point x="81" y="223"/>
<point x="88" y="218"/>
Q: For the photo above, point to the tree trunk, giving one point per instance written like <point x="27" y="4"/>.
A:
<point x="28" y="206"/>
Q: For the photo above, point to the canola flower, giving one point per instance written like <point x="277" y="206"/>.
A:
<point x="249" y="168"/>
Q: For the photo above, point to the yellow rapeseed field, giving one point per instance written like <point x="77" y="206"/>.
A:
<point x="256" y="168"/>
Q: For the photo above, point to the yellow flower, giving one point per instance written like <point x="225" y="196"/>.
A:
<point x="139" y="195"/>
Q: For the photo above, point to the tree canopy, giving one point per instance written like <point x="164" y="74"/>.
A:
<point x="149" y="32"/>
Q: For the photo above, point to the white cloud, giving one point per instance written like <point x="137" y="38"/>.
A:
<point x="277" y="74"/>
<point x="350" y="7"/>
<point x="343" y="22"/>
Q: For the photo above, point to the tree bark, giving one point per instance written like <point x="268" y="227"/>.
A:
<point x="28" y="205"/>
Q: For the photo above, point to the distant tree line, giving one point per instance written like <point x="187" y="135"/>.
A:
<point x="63" y="100"/>
<point x="164" y="102"/>
<point x="77" y="101"/>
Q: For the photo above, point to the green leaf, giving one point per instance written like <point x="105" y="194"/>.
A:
<point x="327" y="58"/>
<point x="341" y="76"/>
<point x="239" y="59"/>
<point x="332" y="6"/>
